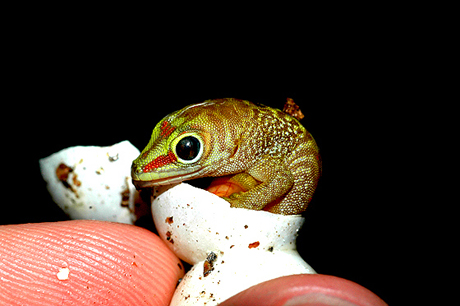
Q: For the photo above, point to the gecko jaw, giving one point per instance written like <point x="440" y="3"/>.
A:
<point x="169" y="180"/>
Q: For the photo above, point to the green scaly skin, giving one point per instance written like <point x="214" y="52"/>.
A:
<point x="230" y="136"/>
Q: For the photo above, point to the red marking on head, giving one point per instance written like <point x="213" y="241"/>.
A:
<point x="166" y="129"/>
<point x="172" y="156"/>
<point x="160" y="161"/>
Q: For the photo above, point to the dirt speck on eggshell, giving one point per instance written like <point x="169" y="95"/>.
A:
<point x="169" y="220"/>
<point x="208" y="265"/>
<point x="254" y="245"/>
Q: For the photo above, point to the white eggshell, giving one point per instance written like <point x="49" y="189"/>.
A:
<point x="98" y="185"/>
<point x="250" y="246"/>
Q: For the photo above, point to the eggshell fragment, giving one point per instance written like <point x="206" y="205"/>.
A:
<point x="231" y="249"/>
<point x="63" y="274"/>
<point x="89" y="182"/>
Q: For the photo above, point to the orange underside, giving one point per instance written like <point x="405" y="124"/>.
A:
<point x="222" y="187"/>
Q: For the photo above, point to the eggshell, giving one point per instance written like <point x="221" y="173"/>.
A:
<point x="89" y="182"/>
<point x="231" y="249"/>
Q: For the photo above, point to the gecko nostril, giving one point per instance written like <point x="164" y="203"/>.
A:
<point x="135" y="169"/>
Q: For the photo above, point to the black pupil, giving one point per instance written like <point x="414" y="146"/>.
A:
<point x="188" y="148"/>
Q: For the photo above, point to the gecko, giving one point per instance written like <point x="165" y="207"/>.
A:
<point x="266" y="151"/>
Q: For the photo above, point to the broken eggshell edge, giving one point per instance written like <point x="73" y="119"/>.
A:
<point x="97" y="182"/>
<point x="231" y="249"/>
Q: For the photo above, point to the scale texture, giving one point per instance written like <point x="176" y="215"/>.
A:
<point x="273" y="157"/>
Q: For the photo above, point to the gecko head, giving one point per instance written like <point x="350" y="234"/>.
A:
<point x="178" y="150"/>
<point x="169" y="159"/>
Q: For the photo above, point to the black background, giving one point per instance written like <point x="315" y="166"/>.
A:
<point x="99" y="91"/>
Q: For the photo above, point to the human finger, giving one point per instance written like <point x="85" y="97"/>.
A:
<point x="306" y="290"/>
<point x="85" y="263"/>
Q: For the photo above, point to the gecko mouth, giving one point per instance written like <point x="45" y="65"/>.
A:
<point x="202" y="183"/>
<point x="206" y="183"/>
<point x="139" y="184"/>
<point x="220" y="186"/>
<point x="151" y="179"/>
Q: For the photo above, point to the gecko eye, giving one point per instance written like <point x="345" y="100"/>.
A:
<point x="189" y="149"/>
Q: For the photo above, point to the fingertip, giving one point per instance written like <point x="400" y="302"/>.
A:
<point x="306" y="290"/>
<point x="85" y="263"/>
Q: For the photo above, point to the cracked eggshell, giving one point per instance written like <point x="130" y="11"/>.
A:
<point x="89" y="182"/>
<point x="231" y="249"/>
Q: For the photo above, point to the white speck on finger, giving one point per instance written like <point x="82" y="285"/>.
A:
<point x="63" y="274"/>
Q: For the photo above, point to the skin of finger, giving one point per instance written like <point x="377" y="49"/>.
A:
<point x="306" y="289"/>
<point x="85" y="263"/>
